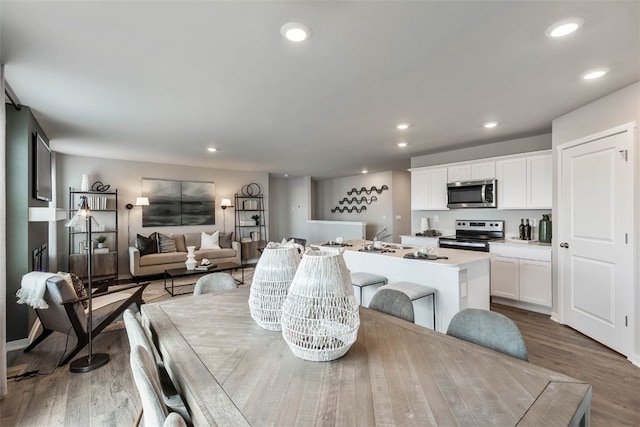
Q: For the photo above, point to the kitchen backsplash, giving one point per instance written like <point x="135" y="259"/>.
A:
<point x="446" y="219"/>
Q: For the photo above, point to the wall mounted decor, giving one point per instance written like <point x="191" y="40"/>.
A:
<point x="178" y="203"/>
<point x="361" y="200"/>
<point x="369" y="191"/>
<point x="348" y="209"/>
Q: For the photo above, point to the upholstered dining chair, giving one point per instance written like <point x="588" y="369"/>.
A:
<point x="214" y="282"/>
<point x="67" y="313"/>
<point x="145" y="376"/>
<point x="394" y="303"/>
<point x="489" y="329"/>
<point x="138" y="336"/>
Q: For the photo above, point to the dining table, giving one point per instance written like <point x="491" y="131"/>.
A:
<point x="231" y="372"/>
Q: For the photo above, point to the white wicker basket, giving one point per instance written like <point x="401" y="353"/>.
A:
<point x="320" y="315"/>
<point x="271" y="280"/>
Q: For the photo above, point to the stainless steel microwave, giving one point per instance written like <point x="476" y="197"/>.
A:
<point x="472" y="194"/>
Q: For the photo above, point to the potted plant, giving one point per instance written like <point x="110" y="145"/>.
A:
<point x="101" y="239"/>
<point x="256" y="218"/>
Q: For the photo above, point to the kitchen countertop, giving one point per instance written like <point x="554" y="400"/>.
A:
<point x="457" y="258"/>
<point x="524" y="243"/>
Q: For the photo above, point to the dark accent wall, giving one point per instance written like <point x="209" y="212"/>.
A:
<point x="22" y="236"/>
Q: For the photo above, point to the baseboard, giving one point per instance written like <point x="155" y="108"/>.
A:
<point x="554" y="317"/>
<point x="17" y="344"/>
<point x="522" y="305"/>
<point x="635" y="360"/>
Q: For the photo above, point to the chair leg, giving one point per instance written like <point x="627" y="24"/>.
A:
<point x="433" y="296"/>
<point x="82" y="343"/>
<point x="136" y="422"/>
<point x="45" y="333"/>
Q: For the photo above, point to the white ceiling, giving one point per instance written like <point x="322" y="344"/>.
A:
<point x="161" y="80"/>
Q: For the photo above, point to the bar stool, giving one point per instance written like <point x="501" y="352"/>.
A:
<point x="361" y="279"/>
<point x="416" y="291"/>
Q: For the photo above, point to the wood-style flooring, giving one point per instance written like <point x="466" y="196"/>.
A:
<point x="107" y="396"/>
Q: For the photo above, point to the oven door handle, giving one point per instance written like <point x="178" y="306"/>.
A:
<point x="468" y="244"/>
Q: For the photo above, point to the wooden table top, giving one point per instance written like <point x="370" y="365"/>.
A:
<point x="232" y="372"/>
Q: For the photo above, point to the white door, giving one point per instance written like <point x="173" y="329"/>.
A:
<point x="595" y="231"/>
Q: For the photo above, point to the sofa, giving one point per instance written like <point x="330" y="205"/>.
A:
<point x="157" y="263"/>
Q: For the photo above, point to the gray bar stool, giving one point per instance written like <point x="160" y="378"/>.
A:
<point x="416" y="291"/>
<point x="361" y="279"/>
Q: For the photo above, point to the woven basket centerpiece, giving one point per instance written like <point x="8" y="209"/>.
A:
<point x="320" y="315"/>
<point x="271" y="280"/>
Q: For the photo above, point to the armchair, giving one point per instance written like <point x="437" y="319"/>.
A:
<point x="66" y="311"/>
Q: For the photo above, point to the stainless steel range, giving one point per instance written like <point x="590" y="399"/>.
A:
<point x="472" y="235"/>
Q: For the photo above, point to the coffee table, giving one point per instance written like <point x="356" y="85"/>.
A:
<point x="173" y="273"/>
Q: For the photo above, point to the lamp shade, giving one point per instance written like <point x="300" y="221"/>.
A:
<point x="225" y="203"/>
<point x="142" y="201"/>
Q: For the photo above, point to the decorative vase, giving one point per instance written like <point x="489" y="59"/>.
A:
<point x="320" y="318"/>
<point x="86" y="182"/>
<point x="191" y="258"/>
<point x="100" y="245"/>
<point x="271" y="280"/>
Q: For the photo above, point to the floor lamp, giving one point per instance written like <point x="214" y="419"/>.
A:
<point x="224" y="204"/>
<point x="140" y="201"/>
<point x="90" y="361"/>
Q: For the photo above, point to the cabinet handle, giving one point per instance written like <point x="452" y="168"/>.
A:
<point x="564" y="245"/>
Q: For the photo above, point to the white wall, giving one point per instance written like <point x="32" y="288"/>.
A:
<point x="126" y="177"/>
<point x="379" y="213"/>
<point x="503" y="148"/>
<point x="615" y="109"/>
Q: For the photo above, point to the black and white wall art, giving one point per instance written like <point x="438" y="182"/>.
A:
<point x="174" y="203"/>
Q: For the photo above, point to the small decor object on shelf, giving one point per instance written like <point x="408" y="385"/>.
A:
<point x="320" y="318"/>
<point x="251" y="190"/>
<point x="86" y="182"/>
<point x="101" y="239"/>
<point x="191" y="258"/>
<point x="271" y="280"/>
<point x="100" y="187"/>
<point x="256" y="218"/>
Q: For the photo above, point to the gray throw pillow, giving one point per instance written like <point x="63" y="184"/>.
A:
<point x="225" y="240"/>
<point x="147" y="245"/>
<point x="166" y="243"/>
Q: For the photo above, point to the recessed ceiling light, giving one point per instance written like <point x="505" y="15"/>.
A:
<point x="364" y="171"/>
<point x="402" y="144"/>
<point x="295" y="32"/>
<point x="564" y="27"/>
<point x="595" y="73"/>
<point x="212" y="149"/>
<point x="286" y="175"/>
<point x="402" y="126"/>
<point x="490" y="125"/>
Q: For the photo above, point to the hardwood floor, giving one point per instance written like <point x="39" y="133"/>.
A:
<point x="107" y="396"/>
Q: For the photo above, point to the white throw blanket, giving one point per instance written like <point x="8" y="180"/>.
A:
<point x="32" y="289"/>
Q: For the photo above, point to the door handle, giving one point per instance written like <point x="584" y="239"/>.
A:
<point x="564" y="245"/>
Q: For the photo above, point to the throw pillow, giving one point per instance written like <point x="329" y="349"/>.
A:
<point x="147" y="245"/>
<point x="166" y="243"/>
<point x="209" y="241"/>
<point x="225" y="240"/>
<point x="77" y="284"/>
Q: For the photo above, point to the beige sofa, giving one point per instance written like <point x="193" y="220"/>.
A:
<point x="157" y="263"/>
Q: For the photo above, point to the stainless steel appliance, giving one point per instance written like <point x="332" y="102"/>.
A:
<point x="474" y="235"/>
<point x="472" y="194"/>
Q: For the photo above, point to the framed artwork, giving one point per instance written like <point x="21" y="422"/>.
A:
<point x="174" y="203"/>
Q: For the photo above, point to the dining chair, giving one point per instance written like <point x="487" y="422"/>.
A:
<point x="489" y="329"/>
<point x="138" y="337"/>
<point x="394" y="303"/>
<point x="214" y="282"/>
<point x="145" y="376"/>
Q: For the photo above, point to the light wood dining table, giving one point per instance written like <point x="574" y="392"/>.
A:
<point x="231" y="372"/>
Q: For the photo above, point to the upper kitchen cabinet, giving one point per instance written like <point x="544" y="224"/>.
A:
<point x="524" y="182"/>
<point x="471" y="172"/>
<point x="429" y="189"/>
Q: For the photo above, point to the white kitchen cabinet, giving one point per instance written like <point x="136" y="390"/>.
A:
<point x="521" y="273"/>
<point x="539" y="182"/>
<point x="471" y="172"/>
<point x="429" y="189"/>
<point x="505" y="277"/>
<point x="524" y="182"/>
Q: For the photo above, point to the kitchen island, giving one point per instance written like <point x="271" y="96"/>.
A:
<point x="462" y="281"/>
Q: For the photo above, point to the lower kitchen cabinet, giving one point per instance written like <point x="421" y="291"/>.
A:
<point x="521" y="274"/>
